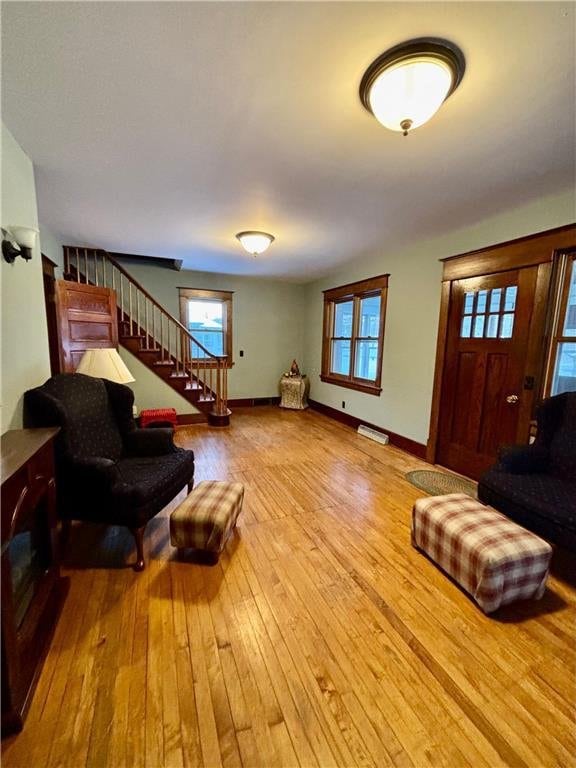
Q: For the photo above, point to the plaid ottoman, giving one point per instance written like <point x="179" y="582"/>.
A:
<point x="492" y="558"/>
<point x="206" y="517"/>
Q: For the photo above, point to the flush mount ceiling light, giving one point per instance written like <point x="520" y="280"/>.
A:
<point x="255" y="242"/>
<point x="405" y="86"/>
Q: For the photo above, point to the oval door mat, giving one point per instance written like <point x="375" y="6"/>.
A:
<point x="441" y="483"/>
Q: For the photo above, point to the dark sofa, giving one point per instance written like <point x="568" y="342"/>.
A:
<point x="535" y="485"/>
<point x="107" y="470"/>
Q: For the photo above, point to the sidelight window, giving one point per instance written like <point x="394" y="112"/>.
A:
<point x="562" y="364"/>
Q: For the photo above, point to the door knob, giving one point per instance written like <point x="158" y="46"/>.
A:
<point x="512" y="399"/>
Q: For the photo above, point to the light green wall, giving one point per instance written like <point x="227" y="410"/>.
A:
<point x="51" y="247"/>
<point x="25" y="358"/>
<point x="149" y="390"/>
<point x="267" y="322"/>
<point x="412" y="315"/>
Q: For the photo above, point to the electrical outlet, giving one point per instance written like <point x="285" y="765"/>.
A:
<point x="241" y="353"/>
<point x="343" y="404"/>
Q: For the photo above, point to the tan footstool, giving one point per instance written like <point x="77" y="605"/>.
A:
<point x="206" y="517"/>
<point x="492" y="558"/>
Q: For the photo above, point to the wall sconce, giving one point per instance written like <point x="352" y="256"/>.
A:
<point x="18" y="241"/>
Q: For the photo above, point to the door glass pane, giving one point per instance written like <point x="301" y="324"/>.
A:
<point x="343" y="313"/>
<point x="206" y="324"/>
<point x="466" y="327"/>
<point x="510" y="298"/>
<point x="570" y="320"/>
<point x="341" y="358"/>
<point x="565" y="372"/>
<point x="468" y="302"/>
<point x="495" y="299"/>
<point x="479" y="326"/>
<point x="370" y="316"/>
<point x="481" y="303"/>
<point x="507" y="326"/>
<point x="366" y="361"/>
<point x="492" y="329"/>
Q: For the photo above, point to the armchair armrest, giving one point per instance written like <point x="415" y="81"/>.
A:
<point x="95" y="469"/>
<point x="524" y="459"/>
<point x="150" y="442"/>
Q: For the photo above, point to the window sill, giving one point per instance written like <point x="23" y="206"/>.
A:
<point x="368" y="389"/>
<point x="207" y="363"/>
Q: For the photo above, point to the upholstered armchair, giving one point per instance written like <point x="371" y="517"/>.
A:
<point x="107" y="470"/>
<point x="535" y="485"/>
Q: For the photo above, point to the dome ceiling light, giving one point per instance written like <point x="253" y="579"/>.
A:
<point x="255" y="242"/>
<point x="405" y="86"/>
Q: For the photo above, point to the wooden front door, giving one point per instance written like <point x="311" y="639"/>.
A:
<point x="87" y="319"/>
<point x="486" y="382"/>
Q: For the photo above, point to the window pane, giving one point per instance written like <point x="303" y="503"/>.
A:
<point x="468" y="302"/>
<point x="204" y="314"/>
<point x="343" y="318"/>
<point x="481" y="303"/>
<point x="510" y="298"/>
<point x="366" y="362"/>
<point x="495" y="298"/>
<point x="507" y="326"/>
<point x="565" y="372"/>
<point x="492" y="327"/>
<point x="479" y="326"/>
<point x="466" y="327"/>
<point x="341" y="357"/>
<point x="212" y="340"/>
<point x="570" y="319"/>
<point x="205" y="323"/>
<point x="370" y="316"/>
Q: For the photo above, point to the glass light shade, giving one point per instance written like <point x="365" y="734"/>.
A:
<point x="105" y="364"/>
<point x="412" y="90"/>
<point x="24" y="236"/>
<point x="255" y="242"/>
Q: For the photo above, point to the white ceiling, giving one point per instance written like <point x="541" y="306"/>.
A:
<point x="164" y="128"/>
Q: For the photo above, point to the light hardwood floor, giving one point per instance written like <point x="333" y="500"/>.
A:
<point x="321" y="639"/>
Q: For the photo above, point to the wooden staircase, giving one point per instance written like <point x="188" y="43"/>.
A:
<point x="154" y="336"/>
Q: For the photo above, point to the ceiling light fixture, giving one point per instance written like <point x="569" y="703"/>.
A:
<point x="255" y="242"/>
<point x="405" y="86"/>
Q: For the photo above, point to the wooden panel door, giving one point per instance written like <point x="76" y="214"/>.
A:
<point x="87" y="319"/>
<point x="485" y="374"/>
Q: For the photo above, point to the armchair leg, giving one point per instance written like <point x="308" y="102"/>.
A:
<point x="65" y="532"/>
<point x="138" y="534"/>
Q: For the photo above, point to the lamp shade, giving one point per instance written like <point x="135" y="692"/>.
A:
<point x="24" y="236"/>
<point x="413" y="91"/>
<point x="255" y="242"/>
<point x="405" y="86"/>
<point x="105" y="364"/>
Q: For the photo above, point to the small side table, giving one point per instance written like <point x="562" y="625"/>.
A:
<point x="294" y="392"/>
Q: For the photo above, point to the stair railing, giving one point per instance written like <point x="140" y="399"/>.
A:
<point x="145" y="317"/>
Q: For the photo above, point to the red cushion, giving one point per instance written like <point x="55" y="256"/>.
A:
<point x="158" y="414"/>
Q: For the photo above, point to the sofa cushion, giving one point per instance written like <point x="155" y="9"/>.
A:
<point x="150" y="477"/>
<point x="549" y="497"/>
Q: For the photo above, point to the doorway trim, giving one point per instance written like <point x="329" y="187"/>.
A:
<point x="532" y="250"/>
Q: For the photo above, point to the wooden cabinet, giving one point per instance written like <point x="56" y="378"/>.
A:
<point x="32" y="588"/>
